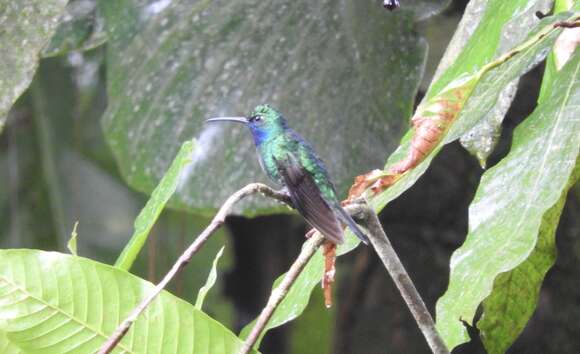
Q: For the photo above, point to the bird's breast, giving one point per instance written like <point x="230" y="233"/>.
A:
<point x="266" y="160"/>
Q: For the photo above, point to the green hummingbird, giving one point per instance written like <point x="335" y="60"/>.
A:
<point x="290" y="161"/>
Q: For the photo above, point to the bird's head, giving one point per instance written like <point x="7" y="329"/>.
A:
<point x="264" y="122"/>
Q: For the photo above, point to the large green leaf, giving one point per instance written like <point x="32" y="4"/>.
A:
<point x="482" y="138"/>
<point x="27" y="26"/>
<point x="6" y="346"/>
<point x="55" y="303"/>
<point x="515" y="293"/>
<point x="476" y="41"/>
<point x="298" y="297"/>
<point x="342" y="71"/>
<point x="81" y="28"/>
<point x="488" y="29"/>
<point x="513" y="197"/>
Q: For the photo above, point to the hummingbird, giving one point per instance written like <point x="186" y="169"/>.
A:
<point x="290" y="161"/>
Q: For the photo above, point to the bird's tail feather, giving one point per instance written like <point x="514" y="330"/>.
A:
<point x="347" y="219"/>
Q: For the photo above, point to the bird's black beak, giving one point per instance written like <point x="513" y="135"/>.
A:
<point x="243" y="120"/>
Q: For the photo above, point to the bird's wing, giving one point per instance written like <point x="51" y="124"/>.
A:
<point x="347" y="219"/>
<point x="308" y="200"/>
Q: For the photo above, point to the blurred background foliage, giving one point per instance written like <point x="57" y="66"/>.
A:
<point x="123" y="83"/>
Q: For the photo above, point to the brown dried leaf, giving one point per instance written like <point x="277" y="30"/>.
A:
<point x="432" y="121"/>
<point x="384" y="183"/>
<point x="361" y="183"/>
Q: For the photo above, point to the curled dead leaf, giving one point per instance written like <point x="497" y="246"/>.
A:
<point x="384" y="182"/>
<point x="361" y="183"/>
<point x="430" y="125"/>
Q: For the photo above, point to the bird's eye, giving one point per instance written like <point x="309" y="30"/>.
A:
<point x="256" y="118"/>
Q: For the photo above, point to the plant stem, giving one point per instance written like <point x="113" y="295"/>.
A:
<point x="183" y="260"/>
<point x="388" y="256"/>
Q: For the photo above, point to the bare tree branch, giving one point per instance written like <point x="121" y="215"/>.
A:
<point x="184" y="259"/>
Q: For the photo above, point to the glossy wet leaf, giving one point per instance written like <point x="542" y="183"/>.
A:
<point x="515" y="293"/>
<point x="488" y="29"/>
<point x="340" y="71"/>
<point x="81" y="28"/>
<point x="72" y="304"/>
<point x="513" y="197"/>
<point x="488" y="91"/>
<point x="482" y="138"/>
<point x="27" y="26"/>
<point x="477" y="41"/>
<point x="155" y="205"/>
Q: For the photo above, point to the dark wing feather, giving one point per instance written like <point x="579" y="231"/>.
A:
<point x="347" y="219"/>
<point x="307" y="199"/>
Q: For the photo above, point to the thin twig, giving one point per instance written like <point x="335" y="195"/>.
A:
<point x="281" y="291"/>
<point x="184" y="259"/>
<point x="388" y="256"/>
